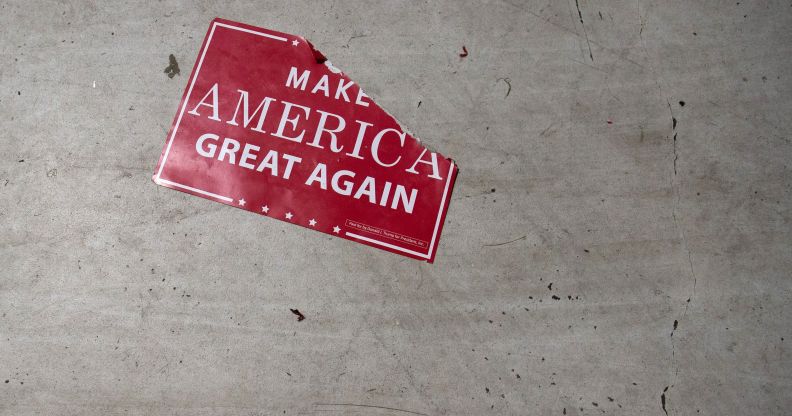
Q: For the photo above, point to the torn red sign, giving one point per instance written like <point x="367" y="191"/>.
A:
<point x="268" y="125"/>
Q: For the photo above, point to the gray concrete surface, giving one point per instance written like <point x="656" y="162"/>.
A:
<point x="668" y="246"/>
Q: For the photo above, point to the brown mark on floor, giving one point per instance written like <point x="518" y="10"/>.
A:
<point x="173" y="67"/>
<point x="299" y="314"/>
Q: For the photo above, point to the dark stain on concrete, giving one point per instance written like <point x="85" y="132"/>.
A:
<point x="173" y="67"/>
<point x="299" y="314"/>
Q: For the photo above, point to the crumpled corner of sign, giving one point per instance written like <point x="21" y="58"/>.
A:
<point x="321" y="58"/>
<point x="318" y="55"/>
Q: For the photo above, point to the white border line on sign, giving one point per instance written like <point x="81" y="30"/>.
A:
<point x="159" y="179"/>
<point x="389" y="245"/>
<point x="241" y="29"/>
<point x="196" y="190"/>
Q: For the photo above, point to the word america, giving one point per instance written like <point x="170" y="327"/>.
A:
<point x="294" y="116"/>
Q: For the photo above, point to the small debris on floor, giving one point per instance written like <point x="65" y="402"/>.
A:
<point x="299" y="314"/>
<point x="173" y="67"/>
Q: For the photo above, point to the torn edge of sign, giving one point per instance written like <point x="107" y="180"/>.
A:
<point x="322" y="59"/>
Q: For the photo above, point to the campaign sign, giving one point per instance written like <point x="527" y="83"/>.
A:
<point x="268" y="125"/>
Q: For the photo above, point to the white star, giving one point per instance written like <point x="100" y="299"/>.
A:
<point x="265" y="209"/>
<point x="295" y="43"/>
<point x="242" y="202"/>
<point x="336" y="229"/>
<point x="289" y="215"/>
<point x="312" y="222"/>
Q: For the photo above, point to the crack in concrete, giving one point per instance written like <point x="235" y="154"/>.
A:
<point x="664" y="401"/>
<point x="585" y="33"/>
<point x="395" y="409"/>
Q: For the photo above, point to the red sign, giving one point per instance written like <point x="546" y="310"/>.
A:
<point x="268" y="125"/>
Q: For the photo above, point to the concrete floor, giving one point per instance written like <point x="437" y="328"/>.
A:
<point x="649" y="265"/>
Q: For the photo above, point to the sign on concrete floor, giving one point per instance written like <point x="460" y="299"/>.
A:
<point x="268" y="125"/>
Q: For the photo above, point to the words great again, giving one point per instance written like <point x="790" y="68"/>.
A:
<point x="340" y="181"/>
<point x="317" y="129"/>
